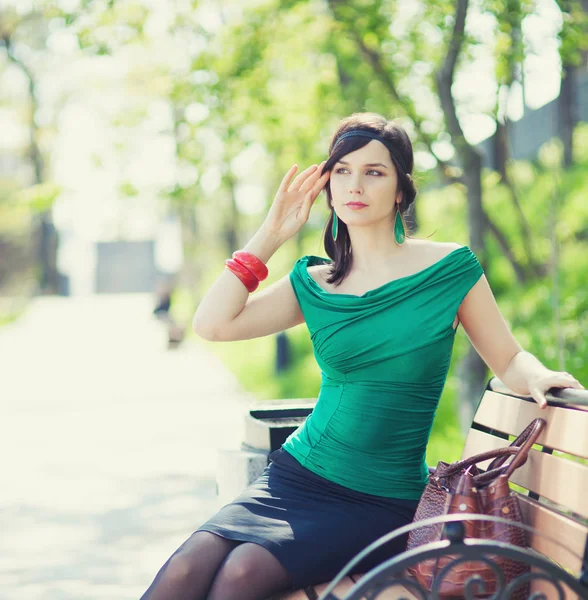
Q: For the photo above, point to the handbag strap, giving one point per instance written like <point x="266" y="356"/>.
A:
<point x="519" y="448"/>
<point x="460" y="465"/>
<point x="524" y="441"/>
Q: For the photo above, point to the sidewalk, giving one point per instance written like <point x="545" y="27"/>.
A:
<point x="108" y="447"/>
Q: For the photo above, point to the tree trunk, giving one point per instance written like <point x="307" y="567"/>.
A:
<point x="472" y="374"/>
<point x="45" y="239"/>
<point x="500" y="146"/>
<point x="232" y="230"/>
<point x="472" y="371"/>
<point x="567" y="112"/>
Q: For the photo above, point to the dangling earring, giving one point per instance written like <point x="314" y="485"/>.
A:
<point x="399" y="229"/>
<point x="335" y="228"/>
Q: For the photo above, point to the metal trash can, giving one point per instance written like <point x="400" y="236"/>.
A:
<point x="267" y="425"/>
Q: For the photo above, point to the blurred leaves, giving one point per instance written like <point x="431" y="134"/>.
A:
<point x="573" y="35"/>
<point x="271" y="80"/>
<point x="37" y="198"/>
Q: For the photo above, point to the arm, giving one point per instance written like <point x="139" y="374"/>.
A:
<point x="492" y="338"/>
<point x="229" y="313"/>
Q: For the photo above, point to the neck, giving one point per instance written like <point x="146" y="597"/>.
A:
<point x="373" y="248"/>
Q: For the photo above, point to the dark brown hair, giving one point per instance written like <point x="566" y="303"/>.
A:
<point x="339" y="250"/>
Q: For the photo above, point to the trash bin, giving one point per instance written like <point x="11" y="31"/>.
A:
<point x="267" y="425"/>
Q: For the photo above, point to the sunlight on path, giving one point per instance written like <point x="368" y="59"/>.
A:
<point x="108" y="445"/>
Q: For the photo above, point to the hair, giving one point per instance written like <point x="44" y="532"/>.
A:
<point x="339" y="250"/>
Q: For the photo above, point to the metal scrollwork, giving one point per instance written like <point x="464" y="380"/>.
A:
<point x="392" y="573"/>
<point x="475" y="586"/>
<point x="528" y="578"/>
<point x="402" y="584"/>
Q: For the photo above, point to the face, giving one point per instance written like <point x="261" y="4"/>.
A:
<point x="366" y="175"/>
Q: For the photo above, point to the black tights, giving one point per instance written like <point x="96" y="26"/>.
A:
<point x="209" y="567"/>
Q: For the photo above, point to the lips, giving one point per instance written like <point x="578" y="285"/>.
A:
<point x="355" y="204"/>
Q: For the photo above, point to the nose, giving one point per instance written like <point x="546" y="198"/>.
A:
<point x="355" y="187"/>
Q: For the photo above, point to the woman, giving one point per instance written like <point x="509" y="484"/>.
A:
<point x="382" y="317"/>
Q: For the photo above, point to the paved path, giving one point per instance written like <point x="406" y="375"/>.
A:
<point x="108" y="447"/>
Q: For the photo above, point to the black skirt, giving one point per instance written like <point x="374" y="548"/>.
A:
<point x="313" y="526"/>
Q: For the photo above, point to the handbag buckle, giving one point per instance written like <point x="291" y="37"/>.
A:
<point x="438" y="483"/>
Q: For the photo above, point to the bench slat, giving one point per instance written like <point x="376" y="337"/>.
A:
<point x="570" y="533"/>
<point x="567" y="429"/>
<point x="562" y="481"/>
<point x="548" y="591"/>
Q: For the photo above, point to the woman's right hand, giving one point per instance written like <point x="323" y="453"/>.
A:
<point x="293" y="201"/>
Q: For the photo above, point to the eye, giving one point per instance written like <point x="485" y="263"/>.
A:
<point x="370" y="171"/>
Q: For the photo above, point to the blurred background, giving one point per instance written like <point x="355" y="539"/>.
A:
<point x="142" y="142"/>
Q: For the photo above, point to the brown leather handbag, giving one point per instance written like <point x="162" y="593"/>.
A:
<point x="460" y="488"/>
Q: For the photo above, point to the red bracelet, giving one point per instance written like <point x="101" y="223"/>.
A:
<point x="243" y="273"/>
<point x="254" y="264"/>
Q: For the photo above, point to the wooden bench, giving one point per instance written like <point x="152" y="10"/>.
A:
<point x="552" y="488"/>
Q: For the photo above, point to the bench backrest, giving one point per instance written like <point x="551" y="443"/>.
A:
<point x="553" y="484"/>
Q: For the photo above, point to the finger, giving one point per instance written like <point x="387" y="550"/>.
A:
<point x="321" y="183"/>
<point x="306" y="178"/>
<point x="287" y="178"/>
<point x="570" y="380"/>
<point x="313" y="193"/>
<point x="539" y="397"/>
<point x="301" y="178"/>
<point x="569" y="384"/>
<point x="308" y="202"/>
<point x="572" y="384"/>
<point x="566" y="375"/>
<point x="541" y="401"/>
<point x="311" y="180"/>
<point x="575" y="381"/>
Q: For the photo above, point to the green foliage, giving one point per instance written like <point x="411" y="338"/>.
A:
<point x="548" y="314"/>
<point x="126" y="188"/>
<point x="278" y="75"/>
<point x="509" y="47"/>
<point x="573" y="35"/>
<point x="38" y="198"/>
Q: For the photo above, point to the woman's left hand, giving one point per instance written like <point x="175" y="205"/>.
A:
<point x="539" y="385"/>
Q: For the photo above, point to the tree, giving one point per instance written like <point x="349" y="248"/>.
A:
<point x="573" y="37"/>
<point x="17" y="34"/>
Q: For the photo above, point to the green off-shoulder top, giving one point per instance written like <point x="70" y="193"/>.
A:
<point x="384" y="358"/>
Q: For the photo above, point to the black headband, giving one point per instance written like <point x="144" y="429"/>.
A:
<point x="375" y="136"/>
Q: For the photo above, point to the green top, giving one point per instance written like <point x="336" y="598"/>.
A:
<point x="384" y="358"/>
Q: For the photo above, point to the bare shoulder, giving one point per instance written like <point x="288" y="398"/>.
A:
<point x="320" y="273"/>
<point x="430" y="251"/>
<point x="417" y="254"/>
